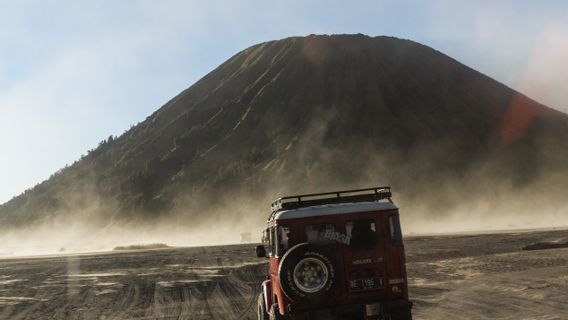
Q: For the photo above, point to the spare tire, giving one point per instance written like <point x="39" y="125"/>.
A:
<point x="308" y="273"/>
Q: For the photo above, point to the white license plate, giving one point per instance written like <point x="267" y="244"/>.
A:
<point x="366" y="284"/>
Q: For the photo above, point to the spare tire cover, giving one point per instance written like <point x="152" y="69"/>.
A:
<point x="308" y="273"/>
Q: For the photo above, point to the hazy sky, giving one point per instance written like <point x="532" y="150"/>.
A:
<point x="74" y="72"/>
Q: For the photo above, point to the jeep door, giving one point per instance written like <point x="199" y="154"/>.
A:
<point x="364" y="257"/>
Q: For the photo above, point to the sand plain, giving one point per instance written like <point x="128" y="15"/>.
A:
<point x="479" y="276"/>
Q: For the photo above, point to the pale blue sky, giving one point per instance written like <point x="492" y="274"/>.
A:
<point x="74" y="72"/>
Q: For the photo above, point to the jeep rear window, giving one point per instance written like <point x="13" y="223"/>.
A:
<point x="282" y="240"/>
<point x="395" y="231"/>
<point x="316" y="233"/>
<point x="271" y="250"/>
<point x="363" y="234"/>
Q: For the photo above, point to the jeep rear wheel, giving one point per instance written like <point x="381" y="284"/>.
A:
<point x="308" y="273"/>
<point x="275" y="313"/>
<point x="261" y="308"/>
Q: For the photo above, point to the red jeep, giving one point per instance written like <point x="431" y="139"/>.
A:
<point x="336" y="255"/>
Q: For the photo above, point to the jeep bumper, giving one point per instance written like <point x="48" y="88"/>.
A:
<point x="380" y="310"/>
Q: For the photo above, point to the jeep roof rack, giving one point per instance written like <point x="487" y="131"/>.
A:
<point x="345" y="196"/>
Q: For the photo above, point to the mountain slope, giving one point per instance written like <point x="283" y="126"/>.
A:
<point x="312" y="114"/>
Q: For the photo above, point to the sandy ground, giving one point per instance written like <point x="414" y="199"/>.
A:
<point x="451" y="277"/>
<point x="488" y="277"/>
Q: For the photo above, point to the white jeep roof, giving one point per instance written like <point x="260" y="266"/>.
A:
<point x="333" y="209"/>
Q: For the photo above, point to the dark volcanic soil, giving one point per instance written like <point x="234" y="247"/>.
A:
<point x="451" y="277"/>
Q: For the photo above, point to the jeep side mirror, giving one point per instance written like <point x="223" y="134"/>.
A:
<point x="260" y="251"/>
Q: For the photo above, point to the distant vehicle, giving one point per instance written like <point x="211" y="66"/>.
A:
<point x="334" y="255"/>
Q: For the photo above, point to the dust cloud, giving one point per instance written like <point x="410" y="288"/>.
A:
<point x="96" y="225"/>
<point x="65" y="237"/>
<point x="444" y="208"/>
<point x="436" y="193"/>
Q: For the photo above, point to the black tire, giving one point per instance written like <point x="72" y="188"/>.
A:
<point x="261" y="308"/>
<point x="274" y="313"/>
<point x="402" y="315"/>
<point x="305" y="254"/>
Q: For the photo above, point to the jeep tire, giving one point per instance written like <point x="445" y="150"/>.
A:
<point x="261" y="308"/>
<point x="308" y="273"/>
<point x="275" y="313"/>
